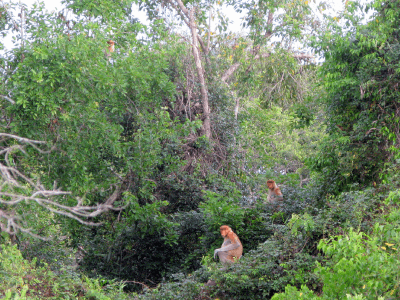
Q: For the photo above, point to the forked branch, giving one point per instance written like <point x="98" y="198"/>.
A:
<point x="17" y="188"/>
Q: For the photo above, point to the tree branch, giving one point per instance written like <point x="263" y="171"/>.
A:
<point x="8" y="99"/>
<point x="200" y="73"/>
<point x="17" y="188"/>
<point x="185" y="16"/>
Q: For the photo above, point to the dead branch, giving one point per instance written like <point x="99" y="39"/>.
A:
<point x="8" y="99"/>
<point x="137" y="282"/>
<point x="232" y="69"/>
<point x="17" y="188"/>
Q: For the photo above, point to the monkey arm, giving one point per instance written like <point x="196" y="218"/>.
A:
<point x="232" y="246"/>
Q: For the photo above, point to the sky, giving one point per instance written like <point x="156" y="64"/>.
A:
<point x="56" y="4"/>
<point x="52" y="5"/>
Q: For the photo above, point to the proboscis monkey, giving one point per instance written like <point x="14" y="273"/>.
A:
<point x="274" y="192"/>
<point x="109" y="50"/>
<point x="231" y="249"/>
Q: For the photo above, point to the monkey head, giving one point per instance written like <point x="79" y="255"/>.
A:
<point x="274" y="188"/>
<point x="225" y="230"/>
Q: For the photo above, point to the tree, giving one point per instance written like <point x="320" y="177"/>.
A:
<point x="189" y="18"/>
<point x="280" y="25"/>
<point x="361" y="79"/>
<point x="105" y="123"/>
<point x="23" y="196"/>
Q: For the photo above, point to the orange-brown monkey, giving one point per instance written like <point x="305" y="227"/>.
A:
<point x="111" y="45"/>
<point x="274" y="191"/>
<point x="231" y="249"/>
<point x="110" y="49"/>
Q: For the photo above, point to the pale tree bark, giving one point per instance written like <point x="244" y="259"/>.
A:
<point x="17" y="188"/>
<point x="184" y="13"/>
<point x="200" y="73"/>
<point x="188" y="17"/>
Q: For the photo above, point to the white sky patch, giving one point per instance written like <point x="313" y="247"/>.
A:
<point x="55" y="6"/>
<point x="234" y="24"/>
<point x="50" y="5"/>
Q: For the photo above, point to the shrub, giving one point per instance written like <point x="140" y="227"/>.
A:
<point x="23" y="279"/>
<point x="359" y="266"/>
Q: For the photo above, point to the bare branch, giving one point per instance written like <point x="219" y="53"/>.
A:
<point x="184" y="13"/>
<point x="137" y="282"/>
<point x="16" y="188"/>
<point x="8" y="99"/>
<point x="200" y="74"/>
<point x="232" y="69"/>
<point x="183" y="8"/>
<point x="21" y="139"/>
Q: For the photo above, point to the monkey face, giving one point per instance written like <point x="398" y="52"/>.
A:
<point x="274" y="190"/>
<point x="271" y="184"/>
<point x="224" y="230"/>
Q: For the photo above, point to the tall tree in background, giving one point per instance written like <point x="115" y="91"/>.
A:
<point x="271" y="26"/>
<point x="361" y="80"/>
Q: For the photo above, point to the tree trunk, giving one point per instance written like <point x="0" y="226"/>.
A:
<point x="200" y="73"/>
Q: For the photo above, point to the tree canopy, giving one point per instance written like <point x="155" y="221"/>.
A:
<point x="124" y="147"/>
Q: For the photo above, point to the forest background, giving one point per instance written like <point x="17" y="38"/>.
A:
<point x="118" y="167"/>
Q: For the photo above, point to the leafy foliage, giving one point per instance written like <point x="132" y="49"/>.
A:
<point x="359" y="266"/>
<point x="360" y="74"/>
<point x="22" y="279"/>
<point x="126" y="128"/>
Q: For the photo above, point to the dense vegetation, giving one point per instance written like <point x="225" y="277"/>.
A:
<point x="119" y="167"/>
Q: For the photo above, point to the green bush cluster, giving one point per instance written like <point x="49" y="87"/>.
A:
<point x="310" y="251"/>
<point x="21" y="279"/>
<point x="358" y="266"/>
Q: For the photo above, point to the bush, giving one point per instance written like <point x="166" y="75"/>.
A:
<point x="23" y="279"/>
<point x="359" y="266"/>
